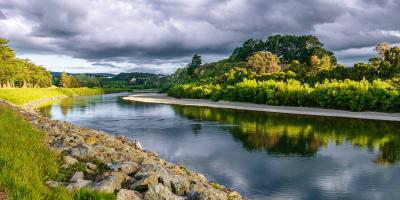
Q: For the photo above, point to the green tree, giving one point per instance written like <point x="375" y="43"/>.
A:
<point x="196" y="62"/>
<point x="301" y="48"/>
<point x="248" y="48"/>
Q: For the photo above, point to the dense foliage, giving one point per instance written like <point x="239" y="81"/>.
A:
<point x="296" y="71"/>
<point x="349" y="95"/>
<point x="16" y="72"/>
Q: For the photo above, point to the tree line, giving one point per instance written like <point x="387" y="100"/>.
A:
<point x="15" y="72"/>
<point x="297" y="71"/>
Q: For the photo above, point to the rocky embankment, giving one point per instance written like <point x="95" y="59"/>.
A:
<point x="110" y="164"/>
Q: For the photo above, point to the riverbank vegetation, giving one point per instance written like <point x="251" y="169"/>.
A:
<point x="26" y="163"/>
<point x="294" y="71"/>
<point x="20" y="96"/>
<point x="24" y="160"/>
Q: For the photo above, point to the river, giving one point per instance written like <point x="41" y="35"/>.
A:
<point x="261" y="155"/>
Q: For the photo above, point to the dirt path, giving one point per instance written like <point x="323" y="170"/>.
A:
<point x="3" y="195"/>
<point x="163" y="99"/>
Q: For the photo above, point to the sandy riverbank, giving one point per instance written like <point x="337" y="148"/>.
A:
<point x="164" y="99"/>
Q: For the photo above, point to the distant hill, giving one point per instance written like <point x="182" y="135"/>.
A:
<point x="137" y="75"/>
<point x="99" y="75"/>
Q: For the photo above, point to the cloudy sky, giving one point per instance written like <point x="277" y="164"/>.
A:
<point x="161" y="35"/>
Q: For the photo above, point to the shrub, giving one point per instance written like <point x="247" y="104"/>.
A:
<point x="347" y="94"/>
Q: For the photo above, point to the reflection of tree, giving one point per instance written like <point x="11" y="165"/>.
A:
<point x="196" y="129"/>
<point x="301" y="135"/>
<point x="389" y="153"/>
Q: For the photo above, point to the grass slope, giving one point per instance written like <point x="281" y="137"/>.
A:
<point x="26" y="163"/>
<point x="20" y="96"/>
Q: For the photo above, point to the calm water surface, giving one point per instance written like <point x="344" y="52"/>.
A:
<point x="262" y="155"/>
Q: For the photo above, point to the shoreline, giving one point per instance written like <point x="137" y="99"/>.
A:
<point x="131" y="173"/>
<point x="164" y="99"/>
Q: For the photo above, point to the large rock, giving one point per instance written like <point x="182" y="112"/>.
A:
<point x="79" y="184"/>
<point x="177" y="184"/>
<point x="69" y="161"/>
<point x="160" y="192"/>
<point x="126" y="167"/>
<point x="109" y="184"/>
<point x="77" y="176"/>
<point x="128" y="195"/>
<point x="211" y="194"/>
<point x="145" y="181"/>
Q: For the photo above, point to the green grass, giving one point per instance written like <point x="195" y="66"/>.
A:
<point x="21" y="96"/>
<point x="85" y="194"/>
<point x="26" y="163"/>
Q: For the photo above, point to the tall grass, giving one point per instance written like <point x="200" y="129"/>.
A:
<point x="20" y="96"/>
<point x="25" y="162"/>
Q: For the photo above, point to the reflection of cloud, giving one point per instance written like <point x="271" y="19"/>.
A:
<point x="336" y="183"/>
<point x="340" y="170"/>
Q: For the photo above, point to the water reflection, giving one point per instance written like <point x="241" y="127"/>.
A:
<point x="263" y="156"/>
<point x="301" y="135"/>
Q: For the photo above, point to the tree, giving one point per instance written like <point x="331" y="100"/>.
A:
<point x="248" y="48"/>
<point x="300" y="48"/>
<point x="320" y="64"/>
<point x="16" y="72"/>
<point x="264" y="62"/>
<point x="67" y="81"/>
<point x="196" y="62"/>
<point x="381" y="48"/>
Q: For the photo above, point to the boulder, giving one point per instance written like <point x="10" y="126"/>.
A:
<point x="128" y="195"/>
<point x="77" y="176"/>
<point x="177" y="184"/>
<point x="126" y="167"/>
<point x="91" y="140"/>
<point x="69" y="161"/>
<point x="145" y="182"/>
<point x="160" y="192"/>
<point x="109" y="184"/>
<point x="54" y="184"/>
<point x="79" y="184"/>
<point x="211" y="194"/>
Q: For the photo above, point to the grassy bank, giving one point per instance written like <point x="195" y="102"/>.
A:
<point x="26" y="163"/>
<point x="20" y="96"/>
<point x="24" y="160"/>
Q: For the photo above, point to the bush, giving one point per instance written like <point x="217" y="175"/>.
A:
<point x="348" y="95"/>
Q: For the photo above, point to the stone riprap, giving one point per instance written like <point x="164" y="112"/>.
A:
<point x="115" y="164"/>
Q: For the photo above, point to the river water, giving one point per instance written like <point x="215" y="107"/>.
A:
<point x="261" y="155"/>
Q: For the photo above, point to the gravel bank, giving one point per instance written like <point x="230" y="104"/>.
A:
<point x="163" y="99"/>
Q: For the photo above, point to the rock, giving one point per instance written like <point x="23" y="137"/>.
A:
<point x="177" y="184"/>
<point x="160" y="192"/>
<point x="69" y="161"/>
<point x="79" y="184"/>
<point x="91" y="140"/>
<point x="126" y="167"/>
<point x="91" y="166"/>
<point x="77" y="176"/>
<point x="54" y="184"/>
<point x="110" y="183"/>
<point x="145" y="182"/>
<point x="128" y="195"/>
<point x="211" y="194"/>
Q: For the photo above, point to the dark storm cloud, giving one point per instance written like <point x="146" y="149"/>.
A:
<point x="150" y="32"/>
